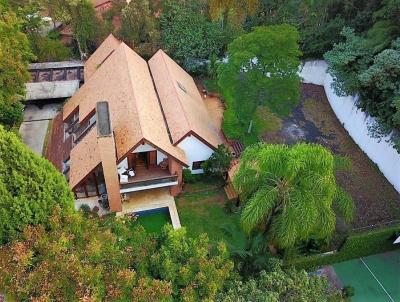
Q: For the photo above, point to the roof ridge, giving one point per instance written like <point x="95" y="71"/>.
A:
<point x="131" y="85"/>
<point x="177" y="94"/>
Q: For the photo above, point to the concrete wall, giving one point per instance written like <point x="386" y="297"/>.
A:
<point x="51" y="90"/>
<point x="356" y="122"/>
<point x="195" y="150"/>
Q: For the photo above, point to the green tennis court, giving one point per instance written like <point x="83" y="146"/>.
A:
<point x="375" y="278"/>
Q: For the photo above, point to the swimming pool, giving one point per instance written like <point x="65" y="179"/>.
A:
<point x="153" y="220"/>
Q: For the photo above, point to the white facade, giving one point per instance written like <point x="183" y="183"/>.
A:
<point x="195" y="150"/>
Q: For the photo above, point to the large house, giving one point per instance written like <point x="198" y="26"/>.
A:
<point x="133" y="125"/>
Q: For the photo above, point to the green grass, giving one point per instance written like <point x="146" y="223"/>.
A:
<point x="211" y="85"/>
<point x="204" y="212"/>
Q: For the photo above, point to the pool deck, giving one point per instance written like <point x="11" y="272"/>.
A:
<point x="149" y="200"/>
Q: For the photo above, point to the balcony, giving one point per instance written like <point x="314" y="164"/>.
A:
<point x="145" y="179"/>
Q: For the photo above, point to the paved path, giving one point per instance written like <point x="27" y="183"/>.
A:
<point x="35" y="123"/>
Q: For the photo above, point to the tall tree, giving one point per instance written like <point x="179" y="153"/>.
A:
<point x="30" y="187"/>
<point x="140" y="28"/>
<point x="15" y="55"/>
<point x="289" y="192"/>
<point x="347" y="60"/>
<point x="187" y="35"/>
<point x="232" y="11"/>
<point x="81" y="16"/>
<point x="261" y="70"/>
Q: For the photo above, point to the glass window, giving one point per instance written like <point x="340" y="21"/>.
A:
<point x="197" y="165"/>
<point x="80" y="191"/>
<point x="91" y="186"/>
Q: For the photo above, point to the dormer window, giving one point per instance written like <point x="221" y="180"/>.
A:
<point x="181" y="87"/>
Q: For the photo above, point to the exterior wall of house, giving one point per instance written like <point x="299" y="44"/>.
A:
<point x="175" y="168"/>
<point x="195" y="151"/>
<point x="143" y="148"/>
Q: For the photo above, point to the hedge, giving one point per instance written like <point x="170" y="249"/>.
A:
<point x="356" y="245"/>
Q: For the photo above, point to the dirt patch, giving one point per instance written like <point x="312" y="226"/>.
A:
<point x="313" y="120"/>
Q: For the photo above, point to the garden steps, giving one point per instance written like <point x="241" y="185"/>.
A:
<point x="230" y="191"/>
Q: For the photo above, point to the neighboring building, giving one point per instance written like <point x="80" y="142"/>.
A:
<point x="132" y="126"/>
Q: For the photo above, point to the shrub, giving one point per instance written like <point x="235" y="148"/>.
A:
<point x="219" y="162"/>
<point x="348" y="291"/>
<point x="188" y="177"/>
<point x="357" y="245"/>
<point x="30" y="187"/>
<point x="85" y="209"/>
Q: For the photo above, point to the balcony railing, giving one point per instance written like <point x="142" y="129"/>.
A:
<point x="140" y="185"/>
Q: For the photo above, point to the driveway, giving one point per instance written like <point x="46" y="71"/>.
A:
<point x="35" y="123"/>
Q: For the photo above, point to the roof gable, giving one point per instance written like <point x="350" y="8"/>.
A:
<point x="183" y="107"/>
<point x="123" y="81"/>
<point x="100" y="55"/>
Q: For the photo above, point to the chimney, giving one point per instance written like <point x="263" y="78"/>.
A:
<point x="106" y="144"/>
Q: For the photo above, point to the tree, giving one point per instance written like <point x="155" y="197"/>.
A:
<point x="290" y="192"/>
<point x="81" y="16"/>
<point x="140" y="28"/>
<point x="15" y="55"/>
<point x="347" y="60"/>
<point x="30" y="187"/>
<point x="219" y="162"/>
<point x="380" y="86"/>
<point x="261" y="70"/>
<point x="196" y="270"/>
<point x="250" y="253"/>
<point x="281" y="284"/>
<point x="188" y="36"/>
<point x="76" y="259"/>
<point x="232" y="11"/>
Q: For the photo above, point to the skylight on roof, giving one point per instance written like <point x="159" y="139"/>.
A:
<point x="181" y="87"/>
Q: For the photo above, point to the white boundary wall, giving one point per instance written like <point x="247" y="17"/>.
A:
<point x="355" y="122"/>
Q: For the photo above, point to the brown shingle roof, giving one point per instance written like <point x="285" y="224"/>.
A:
<point x="84" y="157"/>
<point x="184" y="109"/>
<point x="124" y="81"/>
<point x="101" y="54"/>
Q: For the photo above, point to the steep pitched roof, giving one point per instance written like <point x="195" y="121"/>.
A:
<point x="100" y="55"/>
<point x="183" y="107"/>
<point x="124" y="81"/>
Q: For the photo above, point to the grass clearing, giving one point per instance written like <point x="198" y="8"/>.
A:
<point x="204" y="212"/>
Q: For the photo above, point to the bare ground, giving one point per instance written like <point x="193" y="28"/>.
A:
<point x="313" y="120"/>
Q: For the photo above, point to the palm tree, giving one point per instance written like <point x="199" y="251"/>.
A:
<point x="250" y="253"/>
<point x="289" y="192"/>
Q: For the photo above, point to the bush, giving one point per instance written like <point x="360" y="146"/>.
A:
<point x="348" y="291"/>
<point x="49" y="50"/>
<point x="190" y="178"/>
<point x="85" y="209"/>
<point x="357" y="245"/>
<point x="30" y="187"/>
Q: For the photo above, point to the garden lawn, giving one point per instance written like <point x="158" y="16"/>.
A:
<point x="204" y="212"/>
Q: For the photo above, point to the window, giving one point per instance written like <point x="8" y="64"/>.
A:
<point x="181" y="87"/>
<point x="197" y="165"/>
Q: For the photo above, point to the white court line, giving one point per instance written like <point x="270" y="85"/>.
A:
<point x="373" y="275"/>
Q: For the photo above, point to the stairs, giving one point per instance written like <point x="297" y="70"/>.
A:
<point x="230" y="191"/>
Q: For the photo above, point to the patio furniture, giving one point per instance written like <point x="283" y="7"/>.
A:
<point x="164" y="164"/>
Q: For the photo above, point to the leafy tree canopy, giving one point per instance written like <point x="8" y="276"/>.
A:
<point x="30" y="187"/>
<point x="15" y="55"/>
<point x="140" y="28"/>
<point x="289" y="192"/>
<point x="281" y="284"/>
<point x="261" y="70"/>
<point x="187" y="34"/>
